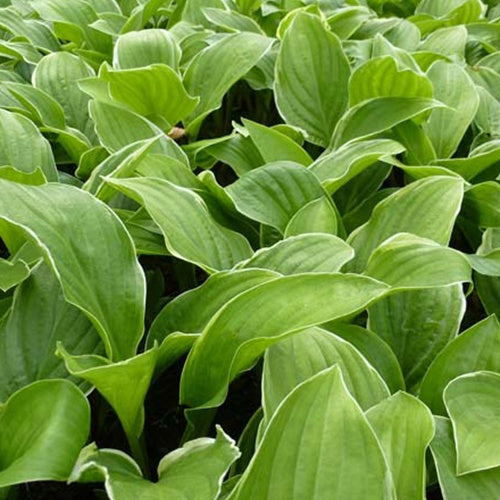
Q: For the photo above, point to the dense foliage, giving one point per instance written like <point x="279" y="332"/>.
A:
<point x="280" y="218"/>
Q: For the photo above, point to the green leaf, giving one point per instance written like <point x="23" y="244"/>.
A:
<point x="57" y="75"/>
<point x="379" y="115"/>
<point x="232" y="20"/>
<point x="233" y="340"/>
<point x="274" y="193"/>
<point x="317" y="216"/>
<point x="472" y="401"/>
<point x="340" y="166"/>
<point x="381" y="77"/>
<point x="12" y="273"/>
<point x="43" y="428"/>
<point x="15" y="130"/>
<point x="407" y="261"/>
<point x="418" y="324"/>
<point x="306" y="253"/>
<point x="312" y="73"/>
<point x="233" y="55"/>
<point x="138" y="49"/>
<point x="478" y="485"/>
<point x="425" y="208"/>
<point x="374" y="349"/>
<point x="446" y="126"/>
<point x="317" y="442"/>
<point x="302" y="355"/>
<point x="190" y="231"/>
<point x="74" y="247"/>
<point x="155" y="92"/>
<point x="191" y="311"/>
<point x="482" y="204"/>
<point x="40" y="317"/>
<point x="194" y="471"/>
<point x="474" y="350"/>
<point x="404" y="427"/>
<point x="275" y="146"/>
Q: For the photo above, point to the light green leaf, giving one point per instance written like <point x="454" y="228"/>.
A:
<point x="446" y="126"/>
<point x="190" y="231"/>
<point x="312" y="74"/>
<point x="16" y="132"/>
<point x="138" y="49"/>
<point x="74" y="247"/>
<point x="43" y="428"/>
<point x="232" y="20"/>
<point x="317" y="216"/>
<point x="12" y="273"/>
<point x="155" y="92"/>
<point x="39" y="317"/>
<point x="274" y="145"/>
<point x="472" y="401"/>
<point x="448" y="42"/>
<point x="474" y="350"/>
<point x="482" y="204"/>
<point x="306" y="253"/>
<point x="379" y="115"/>
<point x="317" y="442"/>
<point x="57" y="75"/>
<point x="274" y="193"/>
<point x="381" y="77"/>
<point x="404" y="427"/>
<point x="191" y="311"/>
<point x="475" y="486"/>
<point x="418" y="324"/>
<point x="426" y="208"/>
<point x="233" y="340"/>
<point x="407" y="261"/>
<point x="338" y="167"/>
<point x="234" y="56"/>
<point x="374" y="349"/>
<point x="302" y="355"/>
<point x="194" y="471"/>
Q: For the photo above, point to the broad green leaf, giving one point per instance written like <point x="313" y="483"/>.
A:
<point x="16" y="132"/>
<point x="381" y="77"/>
<point x="194" y="471"/>
<point x="419" y="149"/>
<point x="374" y="349"/>
<point x="74" y="247"/>
<point x="418" y="324"/>
<point x="306" y="253"/>
<point x="379" y="115"/>
<point x="445" y="42"/>
<point x="407" y="261"/>
<point x="232" y="20"/>
<point x="318" y="442"/>
<point x="190" y="231"/>
<point x="234" y="56"/>
<point x="12" y="273"/>
<point x="482" y="204"/>
<point x="426" y="208"/>
<point x="472" y="402"/>
<point x="57" y="75"/>
<point x="44" y="109"/>
<point x="404" y="427"/>
<point x="138" y="49"/>
<point x="191" y="311"/>
<point x="317" y="216"/>
<point x="40" y="317"/>
<point x="446" y="126"/>
<point x="312" y="74"/>
<point x="43" y="428"/>
<point x="274" y="193"/>
<point x="302" y="355"/>
<point x="233" y="340"/>
<point x="275" y="146"/>
<point x="475" y="486"/>
<point x="474" y="350"/>
<point x="487" y="265"/>
<point x="337" y="168"/>
<point x="155" y="92"/>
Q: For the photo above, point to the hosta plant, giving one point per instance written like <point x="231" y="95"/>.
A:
<point x="250" y="249"/>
